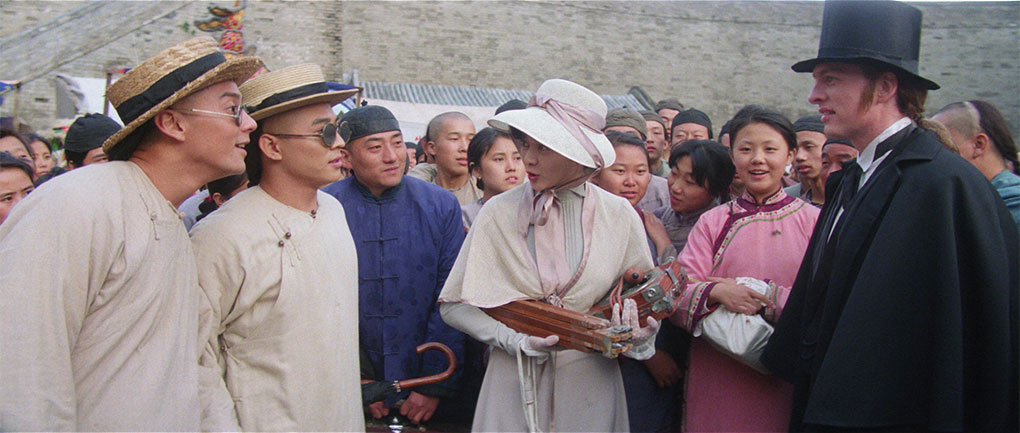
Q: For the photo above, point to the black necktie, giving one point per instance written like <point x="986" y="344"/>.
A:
<point x="843" y="199"/>
<point x="849" y="186"/>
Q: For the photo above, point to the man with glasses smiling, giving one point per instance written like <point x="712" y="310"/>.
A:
<point x="278" y="268"/>
<point x="99" y="321"/>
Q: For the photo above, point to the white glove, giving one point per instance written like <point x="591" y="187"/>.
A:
<point x="539" y="347"/>
<point x="643" y="339"/>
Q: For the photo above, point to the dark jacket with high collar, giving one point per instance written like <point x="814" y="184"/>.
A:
<point x="910" y="320"/>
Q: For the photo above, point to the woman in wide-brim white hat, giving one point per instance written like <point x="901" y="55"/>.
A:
<point x="559" y="239"/>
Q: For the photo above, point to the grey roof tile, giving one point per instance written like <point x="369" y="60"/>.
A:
<point x="466" y="95"/>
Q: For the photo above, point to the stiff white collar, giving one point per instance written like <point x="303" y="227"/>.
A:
<point x="868" y="154"/>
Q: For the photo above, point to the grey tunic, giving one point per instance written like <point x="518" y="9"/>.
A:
<point x="678" y="226"/>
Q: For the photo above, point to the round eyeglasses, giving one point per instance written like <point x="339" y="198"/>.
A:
<point x="236" y="115"/>
<point x="328" y="135"/>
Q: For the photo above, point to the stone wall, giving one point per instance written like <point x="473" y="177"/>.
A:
<point x="716" y="56"/>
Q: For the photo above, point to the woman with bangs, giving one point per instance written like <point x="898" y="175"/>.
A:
<point x="762" y="235"/>
<point x="699" y="179"/>
<point x="629" y="177"/>
<point x="495" y="164"/>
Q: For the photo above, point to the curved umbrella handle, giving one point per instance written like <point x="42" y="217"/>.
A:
<point x="435" y="378"/>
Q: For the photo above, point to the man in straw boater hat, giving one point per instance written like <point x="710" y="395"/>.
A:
<point x="904" y="312"/>
<point x="278" y="267"/>
<point x="408" y="233"/>
<point x="99" y="321"/>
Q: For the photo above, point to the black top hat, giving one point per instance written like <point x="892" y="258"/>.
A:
<point x="886" y="32"/>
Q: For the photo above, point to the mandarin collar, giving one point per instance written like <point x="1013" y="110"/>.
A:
<point x="386" y="195"/>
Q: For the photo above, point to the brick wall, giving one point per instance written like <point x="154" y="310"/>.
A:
<point x="716" y="56"/>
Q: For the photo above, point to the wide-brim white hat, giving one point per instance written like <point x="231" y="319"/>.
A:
<point x="538" y="124"/>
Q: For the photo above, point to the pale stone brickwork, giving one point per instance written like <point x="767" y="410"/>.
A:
<point x="716" y="56"/>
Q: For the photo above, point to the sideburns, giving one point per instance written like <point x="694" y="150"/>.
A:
<point x="867" y="96"/>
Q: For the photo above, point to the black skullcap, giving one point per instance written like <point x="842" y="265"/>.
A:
<point x="513" y="104"/>
<point x="811" y="122"/>
<point x="670" y="103"/>
<point x="367" y="120"/>
<point x="89" y="132"/>
<point x="695" y="116"/>
<point x="837" y="141"/>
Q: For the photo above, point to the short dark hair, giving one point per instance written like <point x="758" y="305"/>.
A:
<point x="711" y="165"/>
<point x="33" y="137"/>
<point x="75" y="158"/>
<point x="6" y="132"/>
<point x="617" y="139"/>
<point x="253" y="157"/>
<point x="479" y="146"/>
<point x="758" y="114"/>
<point x="224" y="186"/>
<point x="10" y="161"/>
<point x="129" y="143"/>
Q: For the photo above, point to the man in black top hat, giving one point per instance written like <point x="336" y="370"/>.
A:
<point x="83" y="144"/>
<point x="904" y="312"/>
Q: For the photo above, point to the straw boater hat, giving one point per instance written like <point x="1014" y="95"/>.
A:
<point x="168" y="77"/>
<point x="289" y="88"/>
<point x="884" y="32"/>
<point x="538" y="124"/>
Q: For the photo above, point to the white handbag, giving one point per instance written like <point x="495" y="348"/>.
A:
<point x="740" y="336"/>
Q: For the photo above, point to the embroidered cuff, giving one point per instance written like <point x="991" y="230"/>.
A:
<point x="703" y="309"/>
<point x="771" y="314"/>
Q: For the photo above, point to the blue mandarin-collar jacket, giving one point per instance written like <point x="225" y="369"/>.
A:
<point x="407" y="240"/>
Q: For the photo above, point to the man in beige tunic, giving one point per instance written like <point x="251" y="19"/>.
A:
<point x="279" y="271"/>
<point x="98" y="294"/>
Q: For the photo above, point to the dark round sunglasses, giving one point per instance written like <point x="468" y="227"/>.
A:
<point x="328" y="134"/>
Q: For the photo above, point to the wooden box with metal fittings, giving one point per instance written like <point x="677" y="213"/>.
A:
<point x="657" y="292"/>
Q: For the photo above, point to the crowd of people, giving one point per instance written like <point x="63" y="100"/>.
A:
<point x="237" y="257"/>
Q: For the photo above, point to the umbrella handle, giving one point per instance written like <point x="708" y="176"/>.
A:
<point x="435" y="378"/>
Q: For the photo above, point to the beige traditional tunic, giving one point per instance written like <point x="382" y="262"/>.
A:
<point x="279" y="317"/>
<point x="98" y="307"/>
<point x="466" y="194"/>
<point x="575" y="391"/>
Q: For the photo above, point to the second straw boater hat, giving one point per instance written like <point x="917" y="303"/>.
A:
<point x="541" y="126"/>
<point x="166" y="78"/>
<point x="289" y="88"/>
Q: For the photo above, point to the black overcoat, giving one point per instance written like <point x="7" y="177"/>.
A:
<point x="910" y="321"/>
